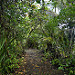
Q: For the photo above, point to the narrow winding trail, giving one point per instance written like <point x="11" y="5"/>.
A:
<point x="32" y="65"/>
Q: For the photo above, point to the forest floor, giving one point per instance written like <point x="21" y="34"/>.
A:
<point x="32" y="64"/>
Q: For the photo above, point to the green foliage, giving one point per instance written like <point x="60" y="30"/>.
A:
<point x="38" y="1"/>
<point x="69" y="65"/>
<point x="23" y="25"/>
<point x="31" y="43"/>
<point x="10" y="35"/>
<point x="8" y="64"/>
<point x="55" y="62"/>
<point x="47" y="55"/>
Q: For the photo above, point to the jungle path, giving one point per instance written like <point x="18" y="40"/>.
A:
<point x="32" y="64"/>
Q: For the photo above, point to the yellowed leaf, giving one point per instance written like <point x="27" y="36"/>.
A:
<point x="20" y="72"/>
<point x="36" y="66"/>
<point x="15" y="71"/>
<point x="23" y="66"/>
<point x="24" y="62"/>
<point x="32" y="64"/>
<point x="24" y="70"/>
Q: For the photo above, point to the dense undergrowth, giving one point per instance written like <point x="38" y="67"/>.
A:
<point x="23" y="26"/>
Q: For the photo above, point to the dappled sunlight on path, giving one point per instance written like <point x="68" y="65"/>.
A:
<point x="32" y="64"/>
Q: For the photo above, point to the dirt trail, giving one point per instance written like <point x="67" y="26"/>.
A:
<point x="32" y="65"/>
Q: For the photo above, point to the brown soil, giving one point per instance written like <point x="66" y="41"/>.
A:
<point x="32" y="64"/>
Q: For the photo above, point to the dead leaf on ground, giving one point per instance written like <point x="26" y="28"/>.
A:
<point x="24" y="70"/>
<point x="20" y="72"/>
<point x="37" y="66"/>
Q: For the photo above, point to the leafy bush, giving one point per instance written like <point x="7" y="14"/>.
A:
<point x="68" y="65"/>
<point x="31" y="43"/>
